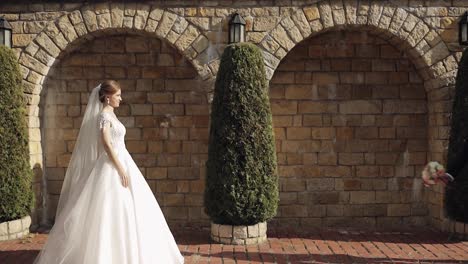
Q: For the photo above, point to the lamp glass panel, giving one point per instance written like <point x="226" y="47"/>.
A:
<point x="231" y="33"/>
<point x="242" y="33"/>
<point x="8" y="38"/>
<point x="2" y="37"/>
<point x="236" y="33"/>
<point x="464" y="33"/>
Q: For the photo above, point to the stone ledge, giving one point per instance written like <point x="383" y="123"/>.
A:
<point x="455" y="228"/>
<point x="239" y="235"/>
<point x="15" y="229"/>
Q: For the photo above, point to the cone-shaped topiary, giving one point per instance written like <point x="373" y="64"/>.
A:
<point x="241" y="179"/>
<point x="15" y="172"/>
<point x="456" y="194"/>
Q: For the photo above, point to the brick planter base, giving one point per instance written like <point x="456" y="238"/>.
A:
<point x="239" y="235"/>
<point x="15" y="229"/>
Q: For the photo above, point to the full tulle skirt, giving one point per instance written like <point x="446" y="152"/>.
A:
<point x="109" y="223"/>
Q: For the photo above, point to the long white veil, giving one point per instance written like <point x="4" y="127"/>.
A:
<point x="82" y="162"/>
<point x="84" y="154"/>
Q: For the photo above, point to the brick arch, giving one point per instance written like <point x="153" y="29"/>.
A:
<point x="402" y="28"/>
<point x="73" y="29"/>
<point x="433" y="60"/>
<point x="70" y="30"/>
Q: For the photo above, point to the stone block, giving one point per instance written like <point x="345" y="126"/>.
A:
<point x="160" y="97"/>
<point x="361" y="107"/>
<point x="312" y="13"/>
<point x="168" y="109"/>
<point x="281" y="37"/>
<point x="166" y="23"/>
<point x="293" y="211"/>
<point x="300" y="146"/>
<point x="214" y="230"/>
<point x="186" y="39"/>
<point x="117" y="14"/>
<point x="225" y="231"/>
<point x="351" y="158"/>
<point x="178" y="133"/>
<point x="156" y="173"/>
<point x="136" y="44"/>
<point x="15" y="226"/>
<point x="176" y="213"/>
<point x="325" y="78"/>
<point x="3" y="229"/>
<point x="323" y="133"/>
<point x="335" y="171"/>
<point x="156" y="14"/>
<point x="326" y="14"/>
<point x="240" y="232"/>
<point x="321" y="184"/>
<point x="293" y="185"/>
<point x="399" y="210"/>
<point x="328" y="158"/>
<point x="298" y="133"/>
<point x="311" y="107"/>
<point x="302" y="24"/>
<point x="200" y="44"/>
<point x="154" y="134"/>
<point x="141" y="109"/>
<point x="33" y="64"/>
<point x="89" y="18"/>
<point x="351" y="184"/>
<point x="362" y="197"/>
<point x="265" y="23"/>
<point x="253" y="231"/>
<point x="183" y="173"/>
<point x="283" y="107"/>
<point x="141" y="16"/>
<point x="262" y="229"/>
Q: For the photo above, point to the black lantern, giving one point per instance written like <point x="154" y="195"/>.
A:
<point x="463" y="29"/>
<point x="5" y="32"/>
<point x="236" y="29"/>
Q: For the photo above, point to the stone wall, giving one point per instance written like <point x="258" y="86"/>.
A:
<point x="350" y="120"/>
<point x="425" y="30"/>
<point x="164" y="109"/>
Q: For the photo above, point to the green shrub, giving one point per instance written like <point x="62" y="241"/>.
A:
<point x="241" y="179"/>
<point x="456" y="194"/>
<point x="16" y="193"/>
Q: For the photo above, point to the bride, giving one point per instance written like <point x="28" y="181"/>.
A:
<point x="106" y="211"/>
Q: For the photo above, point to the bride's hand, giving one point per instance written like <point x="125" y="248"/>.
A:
<point x="124" y="178"/>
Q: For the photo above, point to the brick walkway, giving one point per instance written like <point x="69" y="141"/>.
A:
<point x="318" y="247"/>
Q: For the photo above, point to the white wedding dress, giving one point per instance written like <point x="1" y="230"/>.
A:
<point x="111" y="224"/>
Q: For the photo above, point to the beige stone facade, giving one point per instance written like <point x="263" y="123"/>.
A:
<point x="350" y="119"/>
<point x="361" y="94"/>
<point x="165" y="110"/>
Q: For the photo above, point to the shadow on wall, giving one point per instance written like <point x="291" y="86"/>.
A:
<point x="37" y="213"/>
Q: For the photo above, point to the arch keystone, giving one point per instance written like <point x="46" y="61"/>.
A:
<point x="326" y="14"/>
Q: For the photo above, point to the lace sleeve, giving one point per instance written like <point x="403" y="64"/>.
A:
<point x="104" y="120"/>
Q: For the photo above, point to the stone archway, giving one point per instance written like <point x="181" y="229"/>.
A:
<point x="427" y="50"/>
<point x="67" y="33"/>
<point x="70" y="30"/>
<point x="400" y="27"/>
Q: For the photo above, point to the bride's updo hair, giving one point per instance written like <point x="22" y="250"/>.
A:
<point x="108" y="88"/>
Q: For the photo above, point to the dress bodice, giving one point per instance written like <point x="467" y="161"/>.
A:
<point x="117" y="129"/>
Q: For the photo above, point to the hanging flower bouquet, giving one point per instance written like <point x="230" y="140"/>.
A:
<point x="434" y="172"/>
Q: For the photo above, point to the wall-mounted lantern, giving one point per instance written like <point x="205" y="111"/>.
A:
<point x="5" y="32"/>
<point x="236" y="29"/>
<point x="463" y="29"/>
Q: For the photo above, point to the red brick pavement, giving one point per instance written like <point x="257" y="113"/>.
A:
<point x="286" y="247"/>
